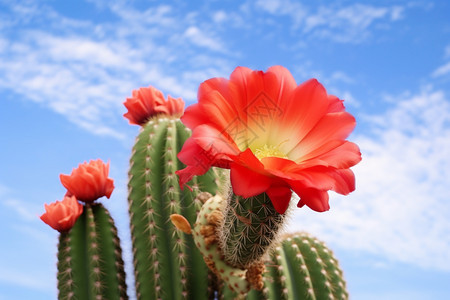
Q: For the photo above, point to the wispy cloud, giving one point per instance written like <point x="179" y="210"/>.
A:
<point x="22" y="209"/>
<point x="28" y="279"/>
<point x="340" y="23"/>
<point x="19" y="231"/>
<point x="199" y="38"/>
<point x="84" y="70"/>
<point x="442" y="70"/>
<point x="27" y="212"/>
<point x="22" y="218"/>
<point x="400" y="208"/>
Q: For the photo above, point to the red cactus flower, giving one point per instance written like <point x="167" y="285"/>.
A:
<point x="147" y="102"/>
<point x="275" y="137"/>
<point x="62" y="215"/>
<point x="89" y="181"/>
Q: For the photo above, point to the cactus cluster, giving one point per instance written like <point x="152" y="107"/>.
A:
<point x="200" y="241"/>
<point x="298" y="267"/>
<point x="90" y="264"/>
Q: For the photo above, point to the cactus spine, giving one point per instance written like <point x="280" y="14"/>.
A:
<point x="90" y="264"/>
<point x="167" y="264"/>
<point x="249" y="229"/>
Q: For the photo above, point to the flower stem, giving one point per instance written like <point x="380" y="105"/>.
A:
<point x="250" y="228"/>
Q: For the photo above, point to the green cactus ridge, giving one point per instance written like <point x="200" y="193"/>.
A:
<point x="166" y="262"/>
<point x="300" y="267"/>
<point x="250" y="228"/>
<point x="90" y="264"/>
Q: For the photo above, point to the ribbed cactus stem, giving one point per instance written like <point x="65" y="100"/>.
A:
<point x="300" y="267"/>
<point x="90" y="264"/>
<point x="250" y="228"/>
<point x="206" y="241"/>
<point x="166" y="262"/>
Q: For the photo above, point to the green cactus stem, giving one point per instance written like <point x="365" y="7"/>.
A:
<point x="90" y="264"/>
<point x="166" y="262"/>
<point x="300" y="267"/>
<point x="250" y="227"/>
<point x="206" y="241"/>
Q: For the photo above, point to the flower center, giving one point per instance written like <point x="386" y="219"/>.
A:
<point x="269" y="151"/>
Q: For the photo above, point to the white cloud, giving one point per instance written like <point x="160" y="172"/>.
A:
<point x="200" y="38"/>
<point x="350" y="23"/>
<point x="282" y="7"/>
<point x="82" y="49"/>
<point x="85" y="70"/>
<point x="219" y="16"/>
<point x="340" y="23"/>
<point x="397" y="13"/>
<point x="442" y="70"/>
<point x="400" y="208"/>
<point x="340" y="76"/>
<point x="296" y="11"/>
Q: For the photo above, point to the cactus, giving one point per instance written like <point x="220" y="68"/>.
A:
<point x="167" y="263"/>
<point x="249" y="229"/>
<point x="90" y="264"/>
<point x="300" y="267"/>
<point x="220" y="247"/>
<point x="205" y="238"/>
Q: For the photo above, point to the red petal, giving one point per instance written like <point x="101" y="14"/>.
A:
<point x="280" y="197"/>
<point x="307" y="105"/>
<point x="248" y="179"/>
<point x="194" y="116"/>
<point x="335" y="126"/>
<point x="199" y="154"/>
<point x="259" y="99"/>
<point x="188" y="173"/>
<point x="341" y="181"/>
<point x="147" y="102"/>
<point x="89" y="181"/>
<point x="344" y="156"/>
<point x="315" y="199"/>
<point x="214" y="142"/>
<point x="344" y="181"/>
<point x="247" y="183"/>
<point x="61" y="215"/>
<point x="336" y="105"/>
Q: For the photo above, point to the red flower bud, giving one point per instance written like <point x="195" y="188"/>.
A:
<point x="89" y="181"/>
<point x="61" y="215"/>
<point x="148" y="102"/>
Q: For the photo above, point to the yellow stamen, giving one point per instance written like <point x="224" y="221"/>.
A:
<point x="269" y="151"/>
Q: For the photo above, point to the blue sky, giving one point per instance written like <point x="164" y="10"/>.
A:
<point x="67" y="66"/>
